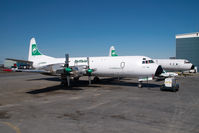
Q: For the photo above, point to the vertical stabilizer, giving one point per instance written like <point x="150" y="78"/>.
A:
<point x="112" y="51"/>
<point x="36" y="56"/>
<point x="33" y="50"/>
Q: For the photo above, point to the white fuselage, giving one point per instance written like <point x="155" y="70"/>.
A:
<point x="119" y="66"/>
<point x="123" y="66"/>
<point x="174" y="64"/>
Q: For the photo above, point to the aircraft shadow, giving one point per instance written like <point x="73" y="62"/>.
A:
<point x="53" y="88"/>
<point x="76" y="86"/>
<point x="47" y="78"/>
<point x="114" y="81"/>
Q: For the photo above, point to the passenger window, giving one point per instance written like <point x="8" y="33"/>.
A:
<point x="143" y="62"/>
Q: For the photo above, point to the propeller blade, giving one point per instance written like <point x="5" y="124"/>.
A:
<point x="68" y="80"/>
<point x="89" y="71"/>
<point x="67" y="60"/>
<point x="67" y="69"/>
<point x="89" y="80"/>
<point x="88" y="62"/>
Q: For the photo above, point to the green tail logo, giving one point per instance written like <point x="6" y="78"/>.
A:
<point x="35" y="50"/>
<point x="113" y="53"/>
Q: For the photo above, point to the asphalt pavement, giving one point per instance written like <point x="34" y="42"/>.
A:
<point x="35" y="103"/>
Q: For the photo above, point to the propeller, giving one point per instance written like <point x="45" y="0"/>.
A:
<point x="67" y="69"/>
<point x="89" y="71"/>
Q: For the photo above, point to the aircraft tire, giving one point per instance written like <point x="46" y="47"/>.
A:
<point x="140" y="85"/>
<point x="76" y="79"/>
<point x="96" y="79"/>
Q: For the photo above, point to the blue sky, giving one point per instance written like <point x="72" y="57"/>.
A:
<point x="90" y="27"/>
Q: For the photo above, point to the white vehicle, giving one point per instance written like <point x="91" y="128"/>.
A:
<point x="167" y="64"/>
<point x="170" y="84"/>
<point x="120" y="66"/>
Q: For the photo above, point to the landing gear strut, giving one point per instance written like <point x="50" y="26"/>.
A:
<point x="140" y="84"/>
<point x="64" y="80"/>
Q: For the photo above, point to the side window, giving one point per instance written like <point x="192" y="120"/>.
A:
<point x="151" y="61"/>
<point x="147" y="61"/>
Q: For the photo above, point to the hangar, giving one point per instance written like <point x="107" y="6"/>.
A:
<point x="187" y="47"/>
<point x="21" y="64"/>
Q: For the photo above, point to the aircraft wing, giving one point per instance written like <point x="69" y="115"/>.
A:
<point x="76" y="70"/>
<point x="56" y="69"/>
<point x="48" y="69"/>
<point x="33" y="71"/>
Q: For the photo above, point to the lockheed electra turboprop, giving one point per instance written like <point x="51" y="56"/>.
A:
<point x="75" y="67"/>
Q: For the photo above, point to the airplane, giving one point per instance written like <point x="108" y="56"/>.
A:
<point x="175" y="64"/>
<point x="167" y="64"/>
<point x="75" y="67"/>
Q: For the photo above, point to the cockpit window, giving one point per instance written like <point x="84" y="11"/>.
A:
<point x="147" y="61"/>
<point x="151" y="61"/>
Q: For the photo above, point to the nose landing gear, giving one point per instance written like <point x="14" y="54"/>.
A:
<point x="140" y="84"/>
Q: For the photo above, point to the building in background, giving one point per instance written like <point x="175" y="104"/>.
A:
<point x="15" y="63"/>
<point x="187" y="47"/>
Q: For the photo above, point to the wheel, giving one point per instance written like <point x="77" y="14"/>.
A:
<point x="162" y="87"/>
<point x="63" y="80"/>
<point x="64" y="83"/>
<point x="174" y="89"/>
<point x="96" y="79"/>
<point x="76" y="79"/>
<point x="140" y="85"/>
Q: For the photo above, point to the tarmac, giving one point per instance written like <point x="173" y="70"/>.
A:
<point x="35" y="103"/>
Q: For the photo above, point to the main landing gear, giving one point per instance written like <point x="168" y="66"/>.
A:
<point x="96" y="79"/>
<point x="140" y="84"/>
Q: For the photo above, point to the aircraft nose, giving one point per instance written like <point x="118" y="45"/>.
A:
<point x="159" y="70"/>
<point x="192" y="67"/>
